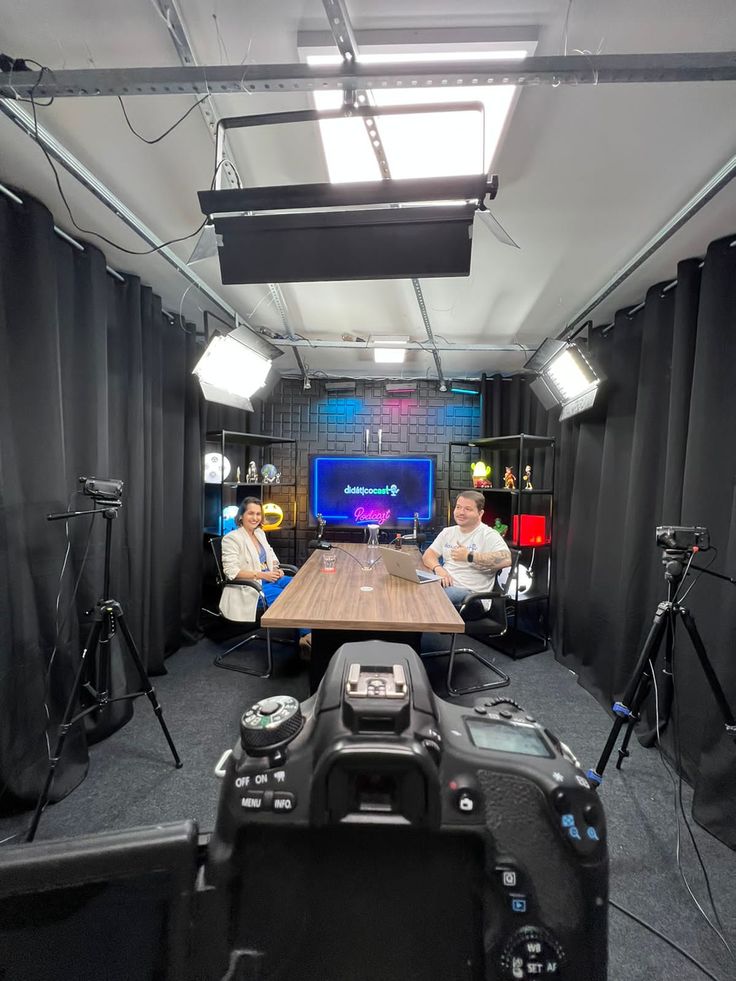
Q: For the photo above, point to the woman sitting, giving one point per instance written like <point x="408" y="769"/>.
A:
<point x="246" y="554"/>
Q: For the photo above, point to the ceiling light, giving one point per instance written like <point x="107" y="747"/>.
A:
<point x="229" y="372"/>
<point x="389" y="355"/>
<point x="463" y="388"/>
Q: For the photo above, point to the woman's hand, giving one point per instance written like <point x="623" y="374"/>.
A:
<point x="272" y="576"/>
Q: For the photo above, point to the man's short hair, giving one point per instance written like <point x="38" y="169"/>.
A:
<point x="475" y="496"/>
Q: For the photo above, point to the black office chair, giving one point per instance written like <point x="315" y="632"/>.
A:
<point x="493" y="623"/>
<point x="256" y="634"/>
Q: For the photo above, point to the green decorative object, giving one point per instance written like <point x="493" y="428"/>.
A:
<point x="500" y="527"/>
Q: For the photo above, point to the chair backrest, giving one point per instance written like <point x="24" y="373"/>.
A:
<point x="497" y="616"/>
<point x="216" y="548"/>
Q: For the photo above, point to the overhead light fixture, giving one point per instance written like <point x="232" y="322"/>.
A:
<point x="229" y="372"/>
<point x="463" y="388"/>
<point x="400" y="388"/>
<point x="566" y="377"/>
<point x="344" y="385"/>
<point x="390" y="350"/>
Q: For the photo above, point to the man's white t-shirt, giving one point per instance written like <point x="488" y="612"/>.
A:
<point x="481" y="539"/>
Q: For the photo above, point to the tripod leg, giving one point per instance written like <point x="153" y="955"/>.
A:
<point x="148" y="688"/>
<point x="64" y="726"/>
<point x="626" y="709"/>
<point x="711" y="676"/>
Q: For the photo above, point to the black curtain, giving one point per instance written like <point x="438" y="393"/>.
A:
<point x="94" y="381"/>
<point x="660" y="448"/>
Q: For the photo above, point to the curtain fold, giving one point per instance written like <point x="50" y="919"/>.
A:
<point x="94" y="382"/>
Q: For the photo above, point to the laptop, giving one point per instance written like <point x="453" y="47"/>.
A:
<point x="404" y="565"/>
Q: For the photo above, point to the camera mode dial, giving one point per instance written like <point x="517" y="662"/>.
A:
<point x="532" y="953"/>
<point x="270" y="723"/>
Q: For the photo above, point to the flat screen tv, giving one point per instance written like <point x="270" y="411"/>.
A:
<point x="353" y="491"/>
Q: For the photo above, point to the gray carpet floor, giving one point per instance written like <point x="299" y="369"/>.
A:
<point x="132" y="782"/>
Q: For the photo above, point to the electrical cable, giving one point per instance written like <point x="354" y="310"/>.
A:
<point x="648" y="926"/>
<point x="59" y="628"/>
<point x="678" y="756"/>
<point x="169" y="130"/>
<point x="87" y="231"/>
<point x="697" y="579"/>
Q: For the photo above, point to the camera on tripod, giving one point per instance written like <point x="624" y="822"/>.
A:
<point x="390" y="835"/>
<point x="683" y="539"/>
<point x="102" y="491"/>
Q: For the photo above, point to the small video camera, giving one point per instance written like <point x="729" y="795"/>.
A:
<point x="683" y="539"/>
<point x="375" y="831"/>
<point x="103" y="491"/>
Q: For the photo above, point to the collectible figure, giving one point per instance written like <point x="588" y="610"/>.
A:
<point x="251" y="476"/>
<point x="509" y="480"/>
<point x="527" y="478"/>
<point x="481" y="474"/>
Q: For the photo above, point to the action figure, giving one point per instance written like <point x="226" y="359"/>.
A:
<point x="527" y="478"/>
<point x="251" y="476"/>
<point x="509" y="480"/>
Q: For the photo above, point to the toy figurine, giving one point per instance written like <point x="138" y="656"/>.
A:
<point x="237" y="475"/>
<point x="481" y="474"/>
<point x="500" y="527"/>
<point x="509" y="480"/>
<point x="270" y="474"/>
<point x="252" y="475"/>
<point x="527" y="478"/>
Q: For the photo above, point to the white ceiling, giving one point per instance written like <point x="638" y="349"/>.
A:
<point x="587" y="173"/>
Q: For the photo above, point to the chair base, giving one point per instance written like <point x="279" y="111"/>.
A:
<point x="253" y="672"/>
<point x="503" y="678"/>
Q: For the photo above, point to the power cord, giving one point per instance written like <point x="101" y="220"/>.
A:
<point x="86" y="231"/>
<point x="648" y="926"/>
<point x="171" y="128"/>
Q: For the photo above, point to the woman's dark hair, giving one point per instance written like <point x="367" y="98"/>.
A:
<point x="244" y="507"/>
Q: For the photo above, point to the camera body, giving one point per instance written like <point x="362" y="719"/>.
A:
<point x="102" y="490"/>
<point x="376" y="831"/>
<point x="683" y="539"/>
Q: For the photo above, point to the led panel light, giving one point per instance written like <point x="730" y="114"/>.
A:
<point x="566" y="377"/>
<point x="389" y="355"/>
<point x="229" y="372"/>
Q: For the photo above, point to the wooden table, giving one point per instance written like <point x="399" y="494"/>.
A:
<point x="338" y="609"/>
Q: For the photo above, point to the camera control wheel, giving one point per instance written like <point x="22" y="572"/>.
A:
<point x="270" y="723"/>
<point x="531" y="953"/>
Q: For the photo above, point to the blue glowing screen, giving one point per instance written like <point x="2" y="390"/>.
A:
<point x="360" y="490"/>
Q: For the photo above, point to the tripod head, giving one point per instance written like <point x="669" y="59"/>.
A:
<point x="674" y="561"/>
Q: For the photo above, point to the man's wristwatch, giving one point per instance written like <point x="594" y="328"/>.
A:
<point x="470" y="556"/>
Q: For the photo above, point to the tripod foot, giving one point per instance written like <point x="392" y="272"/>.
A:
<point x="595" y="778"/>
<point x="178" y="765"/>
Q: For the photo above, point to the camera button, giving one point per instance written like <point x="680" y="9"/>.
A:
<point x="283" y="801"/>
<point x="590" y="813"/>
<point x="481" y="710"/>
<point x="505" y="714"/>
<point x="252" y="801"/>
<point x="561" y="801"/>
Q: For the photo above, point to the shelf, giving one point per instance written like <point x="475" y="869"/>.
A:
<point x="518" y="643"/>
<point x="245" y="439"/>
<point x="501" y="490"/>
<point x="502" y="442"/>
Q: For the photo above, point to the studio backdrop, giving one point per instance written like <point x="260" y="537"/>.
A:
<point x="94" y="381"/>
<point x="659" y="449"/>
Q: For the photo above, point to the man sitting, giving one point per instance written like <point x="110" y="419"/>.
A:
<point x="467" y="555"/>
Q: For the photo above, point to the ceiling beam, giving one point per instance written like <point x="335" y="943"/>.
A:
<point x="700" y="66"/>
<point x="409" y="345"/>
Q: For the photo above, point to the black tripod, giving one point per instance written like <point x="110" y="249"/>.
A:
<point x="640" y="683"/>
<point x="108" y="613"/>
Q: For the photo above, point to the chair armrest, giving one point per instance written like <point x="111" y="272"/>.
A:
<point x="241" y="583"/>
<point x="485" y="594"/>
<point x="291" y="569"/>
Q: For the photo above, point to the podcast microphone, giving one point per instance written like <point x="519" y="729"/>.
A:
<point x="320" y="527"/>
<point x="317" y="543"/>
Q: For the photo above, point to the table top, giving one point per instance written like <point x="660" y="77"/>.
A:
<point x="336" y="601"/>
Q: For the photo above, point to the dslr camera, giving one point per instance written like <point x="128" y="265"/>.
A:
<point x="375" y="831"/>
<point x="683" y="539"/>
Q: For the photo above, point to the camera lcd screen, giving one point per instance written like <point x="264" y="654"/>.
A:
<point x="362" y="902"/>
<point x="507" y="738"/>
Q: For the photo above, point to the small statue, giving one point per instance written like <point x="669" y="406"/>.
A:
<point x="237" y="475"/>
<point x="269" y="474"/>
<point x="509" y="480"/>
<point x="500" y="527"/>
<point x="527" y="477"/>
<point x="252" y="475"/>
<point x="481" y="474"/>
